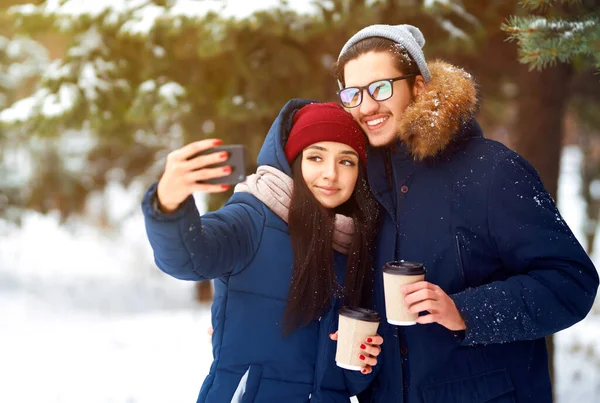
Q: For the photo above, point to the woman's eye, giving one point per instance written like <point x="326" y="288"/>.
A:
<point x="348" y="163"/>
<point x="314" y="158"/>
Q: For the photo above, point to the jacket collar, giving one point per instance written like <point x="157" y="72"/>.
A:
<point x="433" y="127"/>
<point x="437" y="117"/>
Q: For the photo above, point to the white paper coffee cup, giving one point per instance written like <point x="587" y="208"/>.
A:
<point x="355" y="325"/>
<point x="396" y="275"/>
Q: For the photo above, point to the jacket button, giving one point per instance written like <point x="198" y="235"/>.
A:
<point x="403" y="350"/>
<point x="404" y="189"/>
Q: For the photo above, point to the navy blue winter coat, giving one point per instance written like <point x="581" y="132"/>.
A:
<point x="246" y="248"/>
<point x="477" y="215"/>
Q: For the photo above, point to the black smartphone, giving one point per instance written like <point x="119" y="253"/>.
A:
<point x="236" y="160"/>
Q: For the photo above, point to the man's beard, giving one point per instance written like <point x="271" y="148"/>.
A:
<point x="393" y="141"/>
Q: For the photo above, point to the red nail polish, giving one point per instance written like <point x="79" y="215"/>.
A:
<point x="217" y="142"/>
<point x="369" y="340"/>
<point x="362" y="347"/>
<point x="227" y="170"/>
<point x="364" y="371"/>
<point x="224" y="155"/>
<point x="224" y="187"/>
<point x="362" y="357"/>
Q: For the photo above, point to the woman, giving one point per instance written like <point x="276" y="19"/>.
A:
<point x="270" y="249"/>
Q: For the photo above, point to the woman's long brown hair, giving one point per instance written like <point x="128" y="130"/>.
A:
<point x="311" y="226"/>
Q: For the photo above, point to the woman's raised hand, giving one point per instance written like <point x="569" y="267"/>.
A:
<point x="184" y="171"/>
<point x="370" y="350"/>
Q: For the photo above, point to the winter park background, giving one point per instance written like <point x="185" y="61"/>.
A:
<point x="94" y="93"/>
<point x="85" y="316"/>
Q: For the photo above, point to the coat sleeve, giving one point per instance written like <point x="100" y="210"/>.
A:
<point x="189" y="247"/>
<point x="357" y="382"/>
<point x="551" y="282"/>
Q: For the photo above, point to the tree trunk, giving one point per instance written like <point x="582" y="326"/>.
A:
<point x="204" y="291"/>
<point x="538" y="131"/>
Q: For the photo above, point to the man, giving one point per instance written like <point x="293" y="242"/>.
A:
<point x="503" y="268"/>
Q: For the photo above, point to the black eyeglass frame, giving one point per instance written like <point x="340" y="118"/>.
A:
<point x="366" y="87"/>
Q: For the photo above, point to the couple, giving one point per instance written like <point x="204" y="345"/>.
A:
<point x="503" y="268"/>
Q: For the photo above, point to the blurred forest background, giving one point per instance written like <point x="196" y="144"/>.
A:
<point x="98" y="92"/>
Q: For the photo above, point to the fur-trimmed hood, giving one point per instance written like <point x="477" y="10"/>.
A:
<point x="431" y="123"/>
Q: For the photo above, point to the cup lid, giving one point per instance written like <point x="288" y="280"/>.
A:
<point x="366" y="315"/>
<point x="405" y="268"/>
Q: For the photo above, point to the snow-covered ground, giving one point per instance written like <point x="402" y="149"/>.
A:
<point x="86" y="317"/>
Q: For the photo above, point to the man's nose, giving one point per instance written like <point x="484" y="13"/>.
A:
<point x="368" y="106"/>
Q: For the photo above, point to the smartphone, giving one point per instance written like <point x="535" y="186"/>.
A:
<point x="236" y="160"/>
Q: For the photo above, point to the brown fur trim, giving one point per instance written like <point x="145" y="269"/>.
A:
<point x="430" y="123"/>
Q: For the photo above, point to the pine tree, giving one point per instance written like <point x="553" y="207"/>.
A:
<point x="147" y="77"/>
<point x="21" y="61"/>
<point x="568" y="31"/>
<point x="143" y="78"/>
<point x="558" y="32"/>
<point x="558" y="39"/>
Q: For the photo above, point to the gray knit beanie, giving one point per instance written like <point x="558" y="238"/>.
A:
<point x="408" y="36"/>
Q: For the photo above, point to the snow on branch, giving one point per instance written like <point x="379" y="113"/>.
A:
<point x="42" y="103"/>
<point x="442" y="8"/>
<point x="545" y="41"/>
<point x="543" y="4"/>
<point x="21" y="59"/>
<point x="140" y="17"/>
<point x="80" y="77"/>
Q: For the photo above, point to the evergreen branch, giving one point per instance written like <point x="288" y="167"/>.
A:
<point x="541" y="5"/>
<point x="521" y="27"/>
<point x="544" y="42"/>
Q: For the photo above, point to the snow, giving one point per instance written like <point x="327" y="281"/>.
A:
<point x="85" y="316"/>
<point x="238" y="8"/>
<point x="52" y="356"/>
<point x="148" y="86"/>
<point x="20" y="59"/>
<point x="90" y="82"/>
<point x="577" y="348"/>
<point x="595" y="189"/>
<point x="87" y="43"/>
<point x="574" y="211"/>
<point x="143" y="20"/>
<point x="59" y="104"/>
<point x="457" y="8"/>
<point x="170" y="92"/>
<point x="89" y="75"/>
<point x="452" y="29"/>
<point x="145" y="14"/>
<point x="560" y="25"/>
<point x="139" y="17"/>
<point x="25" y="109"/>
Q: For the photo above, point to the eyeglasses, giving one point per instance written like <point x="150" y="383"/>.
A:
<point x="379" y="90"/>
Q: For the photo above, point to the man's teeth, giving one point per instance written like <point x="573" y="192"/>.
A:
<point x="376" y="121"/>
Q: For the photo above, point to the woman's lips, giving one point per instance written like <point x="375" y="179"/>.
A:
<point x="327" y="190"/>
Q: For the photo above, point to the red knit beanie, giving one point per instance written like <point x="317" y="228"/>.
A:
<point x="324" y="122"/>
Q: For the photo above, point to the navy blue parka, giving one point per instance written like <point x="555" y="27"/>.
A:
<point x="245" y="247"/>
<point x="489" y="234"/>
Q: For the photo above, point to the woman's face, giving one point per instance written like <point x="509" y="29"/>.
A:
<point x="330" y="171"/>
